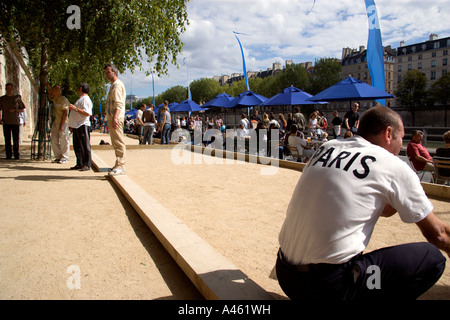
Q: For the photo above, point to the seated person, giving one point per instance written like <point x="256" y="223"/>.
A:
<point x="444" y="152"/>
<point x="348" y="134"/>
<point x="418" y="154"/>
<point x="242" y="132"/>
<point x="208" y="135"/>
<point x="301" y="144"/>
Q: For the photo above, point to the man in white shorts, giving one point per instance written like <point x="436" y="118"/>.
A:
<point x="361" y="178"/>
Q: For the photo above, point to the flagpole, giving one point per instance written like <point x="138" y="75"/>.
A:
<point x="243" y="60"/>
<point x="187" y="78"/>
<point x="131" y="95"/>
<point x="153" y="85"/>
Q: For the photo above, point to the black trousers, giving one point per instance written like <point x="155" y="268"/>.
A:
<point x="8" y="131"/>
<point x="401" y="272"/>
<point x="82" y="146"/>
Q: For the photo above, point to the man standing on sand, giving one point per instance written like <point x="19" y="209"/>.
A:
<point x="11" y="106"/>
<point x="115" y="115"/>
<point x="351" y="119"/>
<point x="322" y="242"/>
<point x="139" y="123"/>
<point x="60" y="135"/>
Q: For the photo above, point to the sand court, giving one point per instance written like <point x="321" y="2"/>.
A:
<point x="56" y="218"/>
<point x="239" y="211"/>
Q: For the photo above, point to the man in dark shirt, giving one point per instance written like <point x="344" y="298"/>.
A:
<point x="11" y="106"/>
<point x="351" y="118"/>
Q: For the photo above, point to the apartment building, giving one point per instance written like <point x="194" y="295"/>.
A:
<point x="429" y="57"/>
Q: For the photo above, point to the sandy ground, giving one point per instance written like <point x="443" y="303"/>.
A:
<point x="55" y="218"/>
<point x="240" y="211"/>
<point x="59" y="226"/>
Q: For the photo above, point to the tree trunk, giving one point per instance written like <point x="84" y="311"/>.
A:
<point x="43" y="134"/>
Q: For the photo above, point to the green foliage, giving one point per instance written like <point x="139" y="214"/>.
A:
<point x="411" y="91"/>
<point x="173" y="94"/>
<point x="204" y="89"/>
<point x="326" y="74"/>
<point x="440" y="89"/>
<point x="122" y="32"/>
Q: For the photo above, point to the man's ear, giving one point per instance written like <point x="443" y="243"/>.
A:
<point x="388" y="134"/>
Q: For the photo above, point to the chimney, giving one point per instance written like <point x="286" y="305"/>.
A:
<point x="433" y="36"/>
<point x="402" y="43"/>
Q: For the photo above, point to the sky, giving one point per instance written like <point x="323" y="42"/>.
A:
<point x="280" y="30"/>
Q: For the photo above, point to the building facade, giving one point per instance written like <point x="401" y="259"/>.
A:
<point x="429" y="57"/>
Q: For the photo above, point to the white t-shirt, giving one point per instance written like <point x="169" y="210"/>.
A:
<point x="244" y="121"/>
<point x="76" y="119"/>
<point x="300" y="143"/>
<point x="139" y="114"/>
<point x="340" y="196"/>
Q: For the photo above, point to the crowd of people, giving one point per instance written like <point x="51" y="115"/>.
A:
<point x="69" y="119"/>
<point x="179" y="128"/>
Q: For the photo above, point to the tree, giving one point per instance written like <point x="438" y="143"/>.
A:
<point x="122" y="32"/>
<point x="440" y="92"/>
<point x="326" y="73"/>
<point x="292" y="75"/>
<point x="174" y="94"/>
<point x="411" y="91"/>
<point x="204" y="90"/>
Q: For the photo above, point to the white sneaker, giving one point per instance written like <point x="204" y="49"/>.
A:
<point x="116" y="171"/>
<point x="62" y="160"/>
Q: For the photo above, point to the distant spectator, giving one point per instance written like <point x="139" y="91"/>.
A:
<point x="418" y="154"/>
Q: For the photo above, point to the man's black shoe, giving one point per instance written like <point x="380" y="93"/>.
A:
<point x="85" y="168"/>
<point x="75" y="168"/>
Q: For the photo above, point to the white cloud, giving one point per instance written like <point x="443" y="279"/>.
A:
<point x="280" y="29"/>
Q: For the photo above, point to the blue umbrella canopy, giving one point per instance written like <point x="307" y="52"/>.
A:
<point x="246" y="99"/>
<point x="350" y="89"/>
<point x="170" y="106"/>
<point x="289" y="97"/>
<point x="186" y="105"/>
<point x="220" y="100"/>
<point x="131" y="113"/>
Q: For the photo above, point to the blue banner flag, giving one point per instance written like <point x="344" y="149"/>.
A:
<point x="243" y="59"/>
<point x="375" y="52"/>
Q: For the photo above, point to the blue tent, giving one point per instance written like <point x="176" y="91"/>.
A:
<point x="220" y="100"/>
<point x="187" y="105"/>
<point x="289" y="97"/>
<point x="131" y="113"/>
<point x="170" y="106"/>
<point x="350" y="89"/>
<point x="246" y="99"/>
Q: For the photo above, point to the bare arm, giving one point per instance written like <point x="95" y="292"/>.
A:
<point x="436" y="232"/>
<point x="76" y="109"/>
<point x="388" y="211"/>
